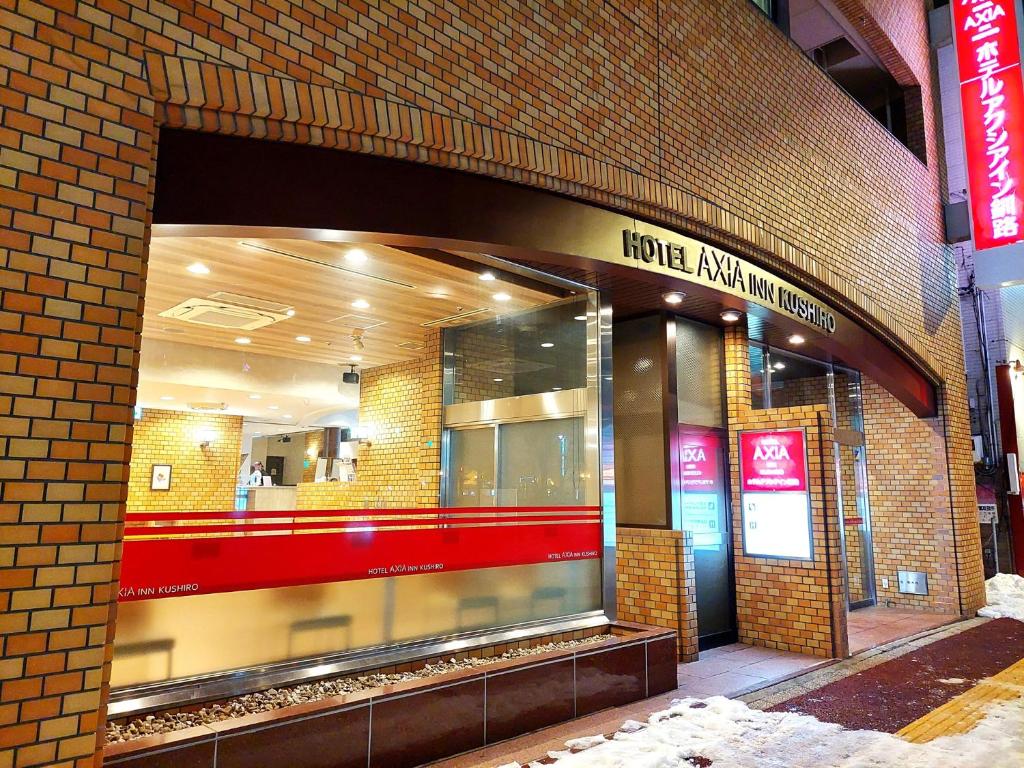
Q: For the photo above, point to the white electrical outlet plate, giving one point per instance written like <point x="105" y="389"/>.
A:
<point x="885" y="583"/>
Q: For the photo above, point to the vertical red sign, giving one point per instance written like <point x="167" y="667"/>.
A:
<point x="992" y="104"/>
<point x="773" y="461"/>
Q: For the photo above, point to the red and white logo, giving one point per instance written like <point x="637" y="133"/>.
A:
<point x="992" y="103"/>
<point x="698" y="458"/>
<point x="773" y="460"/>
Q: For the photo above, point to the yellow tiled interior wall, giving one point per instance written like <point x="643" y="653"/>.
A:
<point x="656" y="583"/>
<point x="314" y="442"/>
<point x="202" y="479"/>
<point x="401" y="466"/>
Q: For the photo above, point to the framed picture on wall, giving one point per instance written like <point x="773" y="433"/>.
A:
<point x="161" y="480"/>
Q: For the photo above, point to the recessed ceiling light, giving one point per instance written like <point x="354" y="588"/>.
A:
<point x="580" y="317"/>
<point x="674" y="297"/>
<point x="779" y="366"/>
<point x="731" y="315"/>
<point x="286" y="415"/>
<point x="198" y="268"/>
<point x="243" y="340"/>
<point x="254" y="396"/>
<point x="355" y="358"/>
<point x="556" y="389"/>
<point x="796" y="338"/>
<point x="356" y="256"/>
<point x="499" y="380"/>
<point x="303" y="339"/>
<point x="547" y="344"/>
<point x="361" y="304"/>
<point x="166" y="397"/>
<point x="290" y="313"/>
<point x="273" y="407"/>
<point x="487" y="276"/>
<point x="501" y="297"/>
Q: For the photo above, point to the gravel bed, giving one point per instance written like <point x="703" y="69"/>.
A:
<point x="276" y="698"/>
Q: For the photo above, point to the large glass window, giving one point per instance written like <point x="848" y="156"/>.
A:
<point x="521" y="353"/>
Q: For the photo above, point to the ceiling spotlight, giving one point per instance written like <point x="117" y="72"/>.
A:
<point x="273" y="407"/>
<point x="286" y="415"/>
<point x="166" y="397"/>
<point x="499" y="380"/>
<point x="356" y="256"/>
<point x="580" y="317"/>
<point x="290" y="313"/>
<point x="355" y="358"/>
<point x="796" y="338"/>
<point x="254" y="396"/>
<point x="303" y="339"/>
<point x="243" y="340"/>
<point x="731" y="315"/>
<point x="487" y="276"/>
<point x="547" y="344"/>
<point x="674" y="297"/>
<point x="361" y="304"/>
<point x="778" y="366"/>
<point x="501" y="297"/>
<point x="198" y="268"/>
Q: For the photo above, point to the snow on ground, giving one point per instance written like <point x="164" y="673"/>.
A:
<point x="1005" y="595"/>
<point x="731" y="735"/>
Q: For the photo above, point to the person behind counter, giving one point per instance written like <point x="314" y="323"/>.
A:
<point x="258" y="473"/>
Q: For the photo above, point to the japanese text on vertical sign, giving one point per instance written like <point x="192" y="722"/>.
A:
<point x="992" y="101"/>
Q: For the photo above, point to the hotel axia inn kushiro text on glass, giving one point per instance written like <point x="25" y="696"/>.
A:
<point x="337" y="337"/>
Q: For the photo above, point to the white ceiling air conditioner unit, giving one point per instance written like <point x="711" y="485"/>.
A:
<point x="221" y="314"/>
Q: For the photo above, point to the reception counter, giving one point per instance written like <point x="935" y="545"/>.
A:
<point x="271" y="499"/>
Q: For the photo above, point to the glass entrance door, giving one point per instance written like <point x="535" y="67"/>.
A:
<point x="703" y="509"/>
<point x="852" y="472"/>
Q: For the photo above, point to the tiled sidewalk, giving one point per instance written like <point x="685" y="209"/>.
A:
<point x="878" y="625"/>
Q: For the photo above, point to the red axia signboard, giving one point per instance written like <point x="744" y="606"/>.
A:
<point x="992" y="102"/>
<point x="773" y="460"/>
<point x="698" y="457"/>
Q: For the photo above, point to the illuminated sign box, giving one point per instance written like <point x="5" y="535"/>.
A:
<point x="992" y="105"/>
<point x="775" y="494"/>
<point x="702" y="497"/>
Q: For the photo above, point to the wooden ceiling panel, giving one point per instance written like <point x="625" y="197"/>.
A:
<point x="403" y="290"/>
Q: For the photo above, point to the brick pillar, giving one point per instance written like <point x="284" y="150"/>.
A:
<point x="75" y="159"/>
<point x="656" y="583"/>
<point x="792" y="605"/>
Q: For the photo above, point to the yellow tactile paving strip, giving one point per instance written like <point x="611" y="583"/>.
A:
<point x="962" y="713"/>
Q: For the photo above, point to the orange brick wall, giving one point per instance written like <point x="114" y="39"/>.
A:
<point x="202" y="479"/>
<point x="912" y="525"/>
<point x="680" y="117"/>
<point x="656" y="582"/>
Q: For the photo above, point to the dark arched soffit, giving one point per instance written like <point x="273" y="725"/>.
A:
<point x="219" y="181"/>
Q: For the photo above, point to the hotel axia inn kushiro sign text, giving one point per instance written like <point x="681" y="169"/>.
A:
<point x="775" y="496"/>
<point x="988" y="50"/>
<point x="700" y="263"/>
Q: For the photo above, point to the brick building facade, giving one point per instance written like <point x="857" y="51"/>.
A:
<point x="702" y="117"/>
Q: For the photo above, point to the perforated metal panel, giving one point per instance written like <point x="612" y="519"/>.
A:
<point x="699" y="374"/>
<point x="638" y="360"/>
